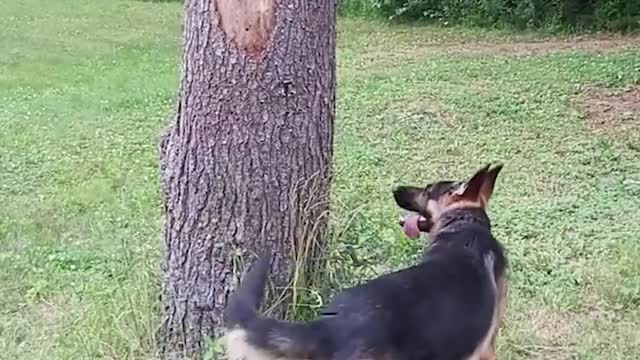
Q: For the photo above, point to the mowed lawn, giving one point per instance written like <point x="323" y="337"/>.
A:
<point x="87" y="86"/>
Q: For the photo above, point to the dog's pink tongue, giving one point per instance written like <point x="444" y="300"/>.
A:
<point x="410" y="226"/>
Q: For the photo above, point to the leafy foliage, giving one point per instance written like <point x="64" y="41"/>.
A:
<point x="577" y="14"/>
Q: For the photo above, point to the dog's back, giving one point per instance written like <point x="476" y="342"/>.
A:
<point x="439" y="309"/>
<point x="446" y="307"/>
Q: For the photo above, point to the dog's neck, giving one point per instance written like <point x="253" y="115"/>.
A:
<point x="457" y="219"/>
<point x="472" y="220"/>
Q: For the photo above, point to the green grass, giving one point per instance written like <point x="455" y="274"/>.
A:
<point x="87" y="86"/>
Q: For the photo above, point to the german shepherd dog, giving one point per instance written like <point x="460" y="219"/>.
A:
<point x="447" y="307"/>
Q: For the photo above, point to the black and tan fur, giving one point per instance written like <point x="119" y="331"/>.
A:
<point x="447" y="307"/>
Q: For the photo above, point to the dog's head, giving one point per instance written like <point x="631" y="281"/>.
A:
<point x="426" y="205"/>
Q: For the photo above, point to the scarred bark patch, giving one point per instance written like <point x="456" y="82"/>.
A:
<point x="247" y="23"/>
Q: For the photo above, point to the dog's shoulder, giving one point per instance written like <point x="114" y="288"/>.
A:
<point x="473" y="240"/>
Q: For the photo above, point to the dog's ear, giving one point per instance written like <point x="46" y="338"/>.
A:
<point x="411" y="198"/>
<point x="489" y="182"/>
<point x="471" y="189"/>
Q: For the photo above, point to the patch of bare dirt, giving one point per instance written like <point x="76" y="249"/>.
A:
<point x="610" y="110"/>
<point x="594" y="44"/>
<point x="527" y="48"/>
<point x="551" y="334"/>
<point x="551" y="326"/>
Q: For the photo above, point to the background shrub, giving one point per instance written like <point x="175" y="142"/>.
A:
<point x="615" y="15"/>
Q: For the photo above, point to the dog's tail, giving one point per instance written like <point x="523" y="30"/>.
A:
<point x="242" y="306"/>
<point x="249" y="335"/>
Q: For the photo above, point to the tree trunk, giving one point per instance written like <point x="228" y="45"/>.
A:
<point x="246" y="163"/>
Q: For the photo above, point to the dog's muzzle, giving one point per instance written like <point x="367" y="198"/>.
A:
<point x="413" y="224"/>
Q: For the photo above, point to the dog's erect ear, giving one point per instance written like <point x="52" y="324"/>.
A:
<point x="411" y="198"/>
<point x="489" y="182"/>
<point x="471" y="189"/>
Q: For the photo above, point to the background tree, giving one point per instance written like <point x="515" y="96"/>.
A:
<point x="246" y="162"/>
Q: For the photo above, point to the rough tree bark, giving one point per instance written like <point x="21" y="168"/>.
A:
<point x="246" y="161"/>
